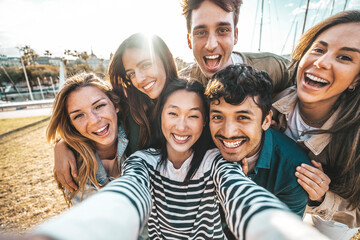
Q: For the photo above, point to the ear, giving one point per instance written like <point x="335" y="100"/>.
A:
<point x="189" y="41"/>
<point x="354" y="83"/>
<point x="117" y="110"/>
<point x="267" y="121"/>
<point x="236" y="36"/>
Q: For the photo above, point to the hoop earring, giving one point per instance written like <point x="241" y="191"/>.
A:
<point x="351" y="89"/>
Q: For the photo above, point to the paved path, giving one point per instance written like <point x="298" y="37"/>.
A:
<point x="25" y="113"/>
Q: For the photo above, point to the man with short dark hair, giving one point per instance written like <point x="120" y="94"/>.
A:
<point x="212" y="34"/>
<point x="240" y="117"/>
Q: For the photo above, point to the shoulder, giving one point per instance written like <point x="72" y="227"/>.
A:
<point x="211" y="156"/>
<point x="265" y="56"/>
<point x="150" y="156"/>
<point x="287" y="149"/>
<point x="188" y="71"/>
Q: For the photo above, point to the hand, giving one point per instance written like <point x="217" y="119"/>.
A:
<point x="313" y="179"/>
<point x="244" y="165"/>
<point x="64" y="164"/>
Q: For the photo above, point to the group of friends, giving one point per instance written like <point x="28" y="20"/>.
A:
<point x="233" y="146"/>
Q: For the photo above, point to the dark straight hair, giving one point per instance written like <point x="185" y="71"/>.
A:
<point x="202" y="144"/>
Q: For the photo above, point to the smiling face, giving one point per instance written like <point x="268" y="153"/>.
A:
<point x="330" y="66"/>
<point x="182" y="121"/>
<point x="237" y="129"/>
<point x="93" y="115"/>
<point x="212" y="38"/>
<point x="146" y="72"/>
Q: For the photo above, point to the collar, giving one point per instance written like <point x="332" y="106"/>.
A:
<point x="286" y="103"/>
<point x="317" y="142"/>
<point x="264" y="159"/>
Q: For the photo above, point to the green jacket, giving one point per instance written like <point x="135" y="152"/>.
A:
<point x="275" y="170"/>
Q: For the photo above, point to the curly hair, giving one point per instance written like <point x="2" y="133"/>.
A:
<point x="237" y="82"/>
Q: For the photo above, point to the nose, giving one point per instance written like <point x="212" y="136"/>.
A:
<point x="211" y="42"/>
<point x="323" y="61"/>
<point x="229" y="129"/>
<point x="94" y="117"/>
<point x="181" y="124"/>
<point x="140" y="76"/>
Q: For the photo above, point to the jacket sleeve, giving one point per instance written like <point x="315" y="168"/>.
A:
<point x="295" y="198"/>
<point x="335" y="208"/>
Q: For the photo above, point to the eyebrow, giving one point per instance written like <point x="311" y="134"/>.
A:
<point x="237" y="112"/>
<point x="138" y="64"/>
<point x="78" y="110"/>
<point x="343" y="48"/>
<point x="219" y="24"/>
<point x="191" y="109"/>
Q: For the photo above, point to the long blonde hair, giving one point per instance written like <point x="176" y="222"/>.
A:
<point x="60" y="126"/>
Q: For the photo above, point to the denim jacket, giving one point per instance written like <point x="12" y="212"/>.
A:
<point x="101" y="175"/>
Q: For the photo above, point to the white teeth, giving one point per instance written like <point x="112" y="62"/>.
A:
<point x="316" y="79"/>
<point x="149" y="85"/>
<point x="212" y="57"/>
<point x="232" y="144"/>
<point x="101" y="129"/>
<point x="180" y="138"/>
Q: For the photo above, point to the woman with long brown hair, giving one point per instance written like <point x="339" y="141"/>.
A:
<point x="139" y="70"/>
<point x="85" y="115"/>
<point x="322" y="114"/>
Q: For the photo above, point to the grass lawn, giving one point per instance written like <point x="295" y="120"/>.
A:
<point x="28" y="193"/>
<point x="7" y="125"/>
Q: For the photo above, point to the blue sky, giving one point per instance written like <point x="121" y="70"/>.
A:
<point x="83" y="25"/>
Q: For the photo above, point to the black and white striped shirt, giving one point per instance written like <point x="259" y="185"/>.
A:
<point x="191" y="211"/>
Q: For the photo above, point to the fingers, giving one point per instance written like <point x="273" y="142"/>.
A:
<point x="314" y="181"/>
<point x="315" y="173"/>
<point x="317" y="165"/>
<point x="73" y="167"/>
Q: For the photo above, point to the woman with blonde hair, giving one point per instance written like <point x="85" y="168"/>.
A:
<point x="85" y="115"/>
<point x="322" y="114"/>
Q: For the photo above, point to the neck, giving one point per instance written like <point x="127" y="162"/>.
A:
<point x="177" y="159"/>
<point x="107" y="152"/>
<point x="315" y="115"/>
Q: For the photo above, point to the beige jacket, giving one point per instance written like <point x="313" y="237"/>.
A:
<point x="274" y="65"/>
<point x="333" y="207"/>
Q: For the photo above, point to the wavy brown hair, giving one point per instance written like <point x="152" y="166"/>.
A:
<point x="60" y="126"/>
<point x="137" y="102"/>
<point x="343" y="152"/>
<point x="227" y="5"/>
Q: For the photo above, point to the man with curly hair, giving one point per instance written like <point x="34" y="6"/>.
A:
<point x="240" y="118"/>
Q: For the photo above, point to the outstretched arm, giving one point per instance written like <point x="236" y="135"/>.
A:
<point x="65" y="166"/>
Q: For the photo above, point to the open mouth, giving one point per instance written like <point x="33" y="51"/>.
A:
<point x="147" y="87"/>
<point x="102" y="131"/>
<point x="180" y="139"/>
<point x="232" y="144"/>
<point x="314" y="81"/>
<point x="212" y="62"/>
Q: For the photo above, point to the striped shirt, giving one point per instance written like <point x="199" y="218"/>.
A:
<point x="191" y="211"/>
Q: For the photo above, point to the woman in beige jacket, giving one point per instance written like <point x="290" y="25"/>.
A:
<point x="322" y="114"/>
